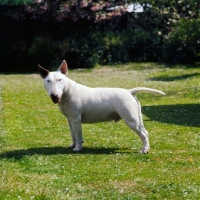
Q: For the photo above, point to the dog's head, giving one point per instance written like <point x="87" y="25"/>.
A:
<point x="54" y="82"/>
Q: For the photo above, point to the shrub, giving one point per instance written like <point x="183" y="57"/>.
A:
<point x="183" y="42"/>
<point x="15" y="2"/>
<point x="85" y="49"/>
<point x="85" y="33"/>
<point x="144" y="46"/>
<point x="43" y="50"/>
<point x="110" y="47"/>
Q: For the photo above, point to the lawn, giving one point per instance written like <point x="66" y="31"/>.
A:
<point x="35" y="162"/>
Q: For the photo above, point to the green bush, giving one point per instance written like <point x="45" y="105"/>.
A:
<point x="182" y="44"/>
<point x="33" y="33"/>
<point x="43" y="50"/>
<point x="110" y="47"/>
<point x="144" y="46"/>
<point x="14" y="2"/>
<point x="82" y="49"/>
<point x="85" y="49"/>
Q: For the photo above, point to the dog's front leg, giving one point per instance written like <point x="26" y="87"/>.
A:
<point x="73" y="144"/>
<point x="77" y="134"/>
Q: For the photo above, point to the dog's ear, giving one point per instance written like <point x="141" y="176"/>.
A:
<point x="63" y="68"/>
<point x="43" y="72"/>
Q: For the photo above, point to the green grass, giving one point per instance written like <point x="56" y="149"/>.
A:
<point x="35" y="162"/>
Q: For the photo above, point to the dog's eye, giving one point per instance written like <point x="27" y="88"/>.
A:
<point x="59" y="79"/>
<point x="48" y="81"/>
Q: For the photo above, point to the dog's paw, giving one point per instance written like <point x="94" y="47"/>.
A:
<point x="77" y="149"/>
<point x="144" y="151"/>
<point x="72" y="145"/>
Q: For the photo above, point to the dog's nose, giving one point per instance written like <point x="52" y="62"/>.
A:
<point x="54" y="96"/>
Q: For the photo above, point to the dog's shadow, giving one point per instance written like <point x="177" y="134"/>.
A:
<point x="173" y="78"/>
<point x="179" y="114"/>
<point x="19" y="154"/>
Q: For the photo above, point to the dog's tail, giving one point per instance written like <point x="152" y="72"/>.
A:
<point x="141" y="89"/>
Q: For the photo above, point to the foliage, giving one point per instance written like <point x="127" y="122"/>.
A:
<point x="111" y="48"/>
<point x="43" y="49"/>
<point x="81" y="48"/>
<point x="73" y="9"/>
<point x="183" y="42"/>
<point x="85" y="33"/>
<point x="35" y="162"/>
<point x="15" y="2"/>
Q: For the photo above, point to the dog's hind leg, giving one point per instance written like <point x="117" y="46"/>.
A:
<point x="142" y="133"/>
<point x="133" y="118"/>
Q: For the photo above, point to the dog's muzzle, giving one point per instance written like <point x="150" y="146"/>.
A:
<point x="55" y="98"/>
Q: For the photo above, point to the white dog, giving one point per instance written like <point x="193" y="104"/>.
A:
<point x="82" y="104"/>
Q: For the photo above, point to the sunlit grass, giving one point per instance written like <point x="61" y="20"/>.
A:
<point x="35" y="163"/>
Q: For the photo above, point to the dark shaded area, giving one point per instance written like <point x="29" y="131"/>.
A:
<point x="19" y="154"/>
<point x="180" y="114"/>
<point x="28" y="39"/>
<point x="173" y="78"/>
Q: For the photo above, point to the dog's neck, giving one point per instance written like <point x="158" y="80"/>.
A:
<point x="68" y="90"/>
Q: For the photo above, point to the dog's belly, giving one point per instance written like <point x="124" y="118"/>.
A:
<point x="100" y="117"/>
